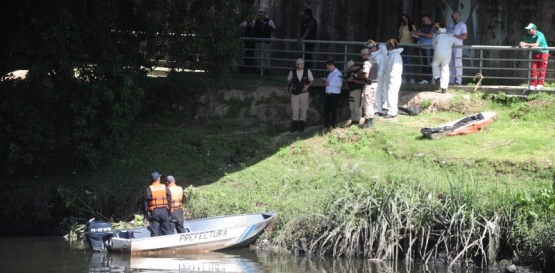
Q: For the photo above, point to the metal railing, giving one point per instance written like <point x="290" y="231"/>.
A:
<point x="499" y="65"/>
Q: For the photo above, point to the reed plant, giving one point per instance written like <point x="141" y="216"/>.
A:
<point x="389" y="220"/>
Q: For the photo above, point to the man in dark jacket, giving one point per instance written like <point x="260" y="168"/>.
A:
<point x="309" y="28"/>
<point x="263" y="28"/>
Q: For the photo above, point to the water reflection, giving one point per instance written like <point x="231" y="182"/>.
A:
<point x="201" y="262"/>
<point x="253" y="262"/>
<point x="52" y="254"/>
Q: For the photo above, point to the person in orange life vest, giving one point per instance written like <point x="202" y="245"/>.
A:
<point x="176" y="208"/>
<point x="157" y="209"/>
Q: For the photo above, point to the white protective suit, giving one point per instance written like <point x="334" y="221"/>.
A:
<point x="380" y="57"/>
<point x="443" y="43"/>
<point x="393" y="73"/>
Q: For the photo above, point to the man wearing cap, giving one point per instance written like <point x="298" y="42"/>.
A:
<point x="458" y="29"/>
<point x="535" y="38"/>
<point x="355" y="93"/>
<point x="263" y="28"/>
<point x="443" y="44"/>
<point x="176" y="205"/>
<point x="299" y="81"/>
<point x="394" y="73"/>
<point x="369" y="75"/>
<point x="333" y="84"/>
<point x="157" y="206"/>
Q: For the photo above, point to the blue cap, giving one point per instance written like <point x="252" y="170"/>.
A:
<point x="155" y="176"/>
<point x="170" y="179"/>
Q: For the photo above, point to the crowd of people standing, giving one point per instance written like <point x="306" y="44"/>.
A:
<point x="374" y="83"/>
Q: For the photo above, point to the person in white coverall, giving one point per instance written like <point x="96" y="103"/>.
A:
<point x="394" y="74"/>
<point x="443" y="44"/>
<point x="381" y="94"/>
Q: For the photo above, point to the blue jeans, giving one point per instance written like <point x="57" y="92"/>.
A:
<point x="426" y="55"/>
<point x="408" y="69"/>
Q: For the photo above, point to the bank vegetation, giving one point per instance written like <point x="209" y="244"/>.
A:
<point x="379" y="193"/>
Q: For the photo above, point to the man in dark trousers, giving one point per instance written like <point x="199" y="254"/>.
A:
<point x="309" y="29"/>
<point x="156" y="206"/>
<point x="176" y="207"/>
<point x="333" y="83"/>
<point x="263" y="28"/>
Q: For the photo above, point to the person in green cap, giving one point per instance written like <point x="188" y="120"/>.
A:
<point x="535" y="38"/>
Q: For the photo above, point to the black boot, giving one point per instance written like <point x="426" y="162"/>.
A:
<point x="294" y="126"/>
<point x="367" y="123"/>
<point x="301" y="126"/>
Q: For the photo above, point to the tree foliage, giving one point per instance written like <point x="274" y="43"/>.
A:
<point x="87" y="60"/>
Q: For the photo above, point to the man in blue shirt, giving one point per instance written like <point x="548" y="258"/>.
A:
<point x="535" y="38"/>
<point x="333" y="83"/>
<point x="425" y="34"/>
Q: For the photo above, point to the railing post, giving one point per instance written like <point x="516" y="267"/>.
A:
<point x="262" y="57"/>
<point x="481" y="61"/>
<point x="529" y="67"/>
<point x="345" y="54"/>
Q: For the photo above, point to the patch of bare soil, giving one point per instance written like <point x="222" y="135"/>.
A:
<point x="436" y="101"/>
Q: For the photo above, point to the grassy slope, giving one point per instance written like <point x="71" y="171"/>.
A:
<point x="237" y="170"/>
<point x="295" y="173"/>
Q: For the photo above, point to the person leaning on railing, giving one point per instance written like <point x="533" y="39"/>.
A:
<point x="535" y="38"/>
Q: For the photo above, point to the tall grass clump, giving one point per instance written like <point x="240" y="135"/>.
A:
<point x="395" y="220"/>
<point x="532" y="232"/>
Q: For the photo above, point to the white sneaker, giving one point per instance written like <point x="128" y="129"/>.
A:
<point x="404" y="81"/>
<point x="532" y="87"/>
<point x="423" y="82"/>
<point x="539" y="87"/>
<point x="411" y="81"/>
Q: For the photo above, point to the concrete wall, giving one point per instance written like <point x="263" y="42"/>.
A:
<point x="489" y="22"/>
<point x="492" y="22"/>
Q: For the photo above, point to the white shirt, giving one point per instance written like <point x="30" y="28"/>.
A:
<point x="458" y="29"/>
<point x="335" y="82"/>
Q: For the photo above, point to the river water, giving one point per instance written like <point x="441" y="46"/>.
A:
<point x="54" y="254"/>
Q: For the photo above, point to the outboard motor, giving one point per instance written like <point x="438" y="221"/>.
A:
<point x="97" y="234"/>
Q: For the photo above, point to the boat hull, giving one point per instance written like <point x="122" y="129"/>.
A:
<point x="208" y="234"/>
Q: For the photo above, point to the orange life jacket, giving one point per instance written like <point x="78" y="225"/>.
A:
<point x="177" y="196"/>
<point x="159" y="198"/>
